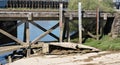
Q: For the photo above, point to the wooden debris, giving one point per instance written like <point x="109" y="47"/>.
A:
<point x="74" y="46"/>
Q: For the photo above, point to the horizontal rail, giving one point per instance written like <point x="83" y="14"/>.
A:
<point x="49" y="15"/>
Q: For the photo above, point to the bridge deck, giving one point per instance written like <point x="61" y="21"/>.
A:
<point x="45" y="15"/>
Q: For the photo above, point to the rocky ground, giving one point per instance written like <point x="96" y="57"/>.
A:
<point x="100" y="58"/>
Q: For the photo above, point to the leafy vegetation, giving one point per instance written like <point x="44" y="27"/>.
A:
<point x="104" y="5"/>
<point x="106" y="43"/>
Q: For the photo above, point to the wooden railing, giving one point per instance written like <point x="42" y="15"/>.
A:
<point x="43" y="4"/>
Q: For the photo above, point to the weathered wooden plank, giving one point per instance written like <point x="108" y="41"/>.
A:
<point x="23" y="14"/>
<point x="45" y="48"/>
<point x="5" y="49"/>
<point x="74" y="46"/>
<point x="11" y="36"/>
<point x="9" y="59"/>
<point x="65" y="45"/>
<point x="37" y="45"/>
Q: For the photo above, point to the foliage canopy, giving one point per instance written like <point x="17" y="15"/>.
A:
<point x="104" y="5"/>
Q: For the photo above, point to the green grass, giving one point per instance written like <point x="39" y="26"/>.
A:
<point x="106" y="43"/>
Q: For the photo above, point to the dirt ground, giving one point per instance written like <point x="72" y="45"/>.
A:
<point x="100" y="58"/>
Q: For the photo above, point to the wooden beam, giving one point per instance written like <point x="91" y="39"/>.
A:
<point x="44" y="34"/>
<point x="11" y="36"/>
<point x="27" y="37"/>
<point x="45" y="48"/>
<point x="26" y="33"/>
<point x="5" y="49"/>
<point x="74" y="46"/>
<point x="9" y="59"/>
<point x="61" y="21"/>
<point x="68" y="31"/>
<point x="43" y="29"/>
<point x="97" y="21"/>
<point x="83" y="29"/>
<point x="89" y="33"/>
<point x="80" y="22"/>
<point x="64" y="30"/>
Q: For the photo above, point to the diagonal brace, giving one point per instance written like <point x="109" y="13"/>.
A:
<point x="40" y="27"/>
<point x="44" y="34"/>
<point x="11" y="36"/>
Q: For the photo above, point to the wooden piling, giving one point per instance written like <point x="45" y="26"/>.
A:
<point x="28" y="38"/>
<point x="68" y="31"/>
<point x="80" y="23"/>
<point x="61" y="21"/>
<point x="45" y="48"/>
<point x="9" y="59"/>
<point x="97" y="25"/>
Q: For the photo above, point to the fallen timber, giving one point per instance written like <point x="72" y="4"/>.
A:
<point x="74" y="46"/>
<point x="4" y="49"/>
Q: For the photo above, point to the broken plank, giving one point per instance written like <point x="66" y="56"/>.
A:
<point x="5" y="49"/>
<point x="74" y="46"/>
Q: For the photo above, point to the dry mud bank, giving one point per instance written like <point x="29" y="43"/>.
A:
<point x="100" y="58"/>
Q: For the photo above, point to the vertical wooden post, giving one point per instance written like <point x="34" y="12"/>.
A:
<point x="9" y="59"/>
<point x="27" y="37"/>
<point x="45" y="48"/>
<point x="68" y="30"/>
<point x="80" y="22"/>
<point x="68" y="33"/>
<point x="97" y="26"/>
<point x="65" y="30"/>
<point x="61" y="21"/>
<point x="27" y="32"/>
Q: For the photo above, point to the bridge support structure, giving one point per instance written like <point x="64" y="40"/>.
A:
<point x="29" y="16"/>
<point x="27" y="44"/>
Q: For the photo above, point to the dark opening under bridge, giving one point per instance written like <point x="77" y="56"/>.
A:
<point x="29" y="16"/>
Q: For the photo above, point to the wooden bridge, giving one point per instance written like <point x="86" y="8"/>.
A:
<point x="46" y="14"/>
<point x="29" y="16"/>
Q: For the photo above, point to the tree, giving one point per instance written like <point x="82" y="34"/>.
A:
<point x="104" y="5"/>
